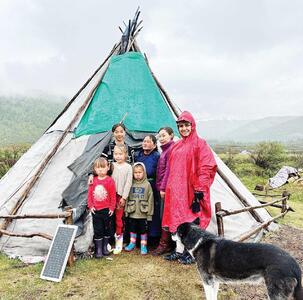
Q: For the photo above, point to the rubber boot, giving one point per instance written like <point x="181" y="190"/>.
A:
<point x="144" y="244"/>
<point x="132" y="245"/>
<point x="165" y="244"/>
<point x="118" y="244"/>
<point x="105" y="246"/>
<point x="98" y="248"/>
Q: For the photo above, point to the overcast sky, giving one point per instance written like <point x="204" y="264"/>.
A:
<point x="219" y="59"/>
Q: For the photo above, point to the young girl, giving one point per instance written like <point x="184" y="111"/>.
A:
<point x="139" y="208"/>
<point x="101" y="202"/>
<point x="122" y="175"/>
<point x="166" y="135"/>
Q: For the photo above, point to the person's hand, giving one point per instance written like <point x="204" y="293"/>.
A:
<point x="162" y="194"/>
<point x="110" y="213"/>
<point x="92" y="210"/>
<point x="90" y="179"/>
<point x="198" y="196"/>
<point x="122" y="202"/>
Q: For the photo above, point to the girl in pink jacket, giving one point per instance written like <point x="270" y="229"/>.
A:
<point x="165" y="136"/>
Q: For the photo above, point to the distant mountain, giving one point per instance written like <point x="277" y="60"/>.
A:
<point x="286" y="128"/>
<point x="24" y="119"/>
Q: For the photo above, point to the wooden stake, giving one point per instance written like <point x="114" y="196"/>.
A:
<point x="69" y="221"/>
<point x="219" y="217"/>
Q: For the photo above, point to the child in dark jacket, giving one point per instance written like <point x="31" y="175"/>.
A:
<point x="101" y="202"/>
<point x="139" y="207"/>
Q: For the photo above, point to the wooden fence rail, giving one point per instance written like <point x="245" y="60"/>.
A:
<point x="221" y="213"/>
<point x="67" y="215"/>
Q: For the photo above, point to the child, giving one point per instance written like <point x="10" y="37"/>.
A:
<point x="122" y="175"/>
<point x="101" y="202"/>
<point x="166" y="135"/>
<point x="139" y="207"/>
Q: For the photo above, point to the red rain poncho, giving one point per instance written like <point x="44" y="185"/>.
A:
<point x="192" y="167"/>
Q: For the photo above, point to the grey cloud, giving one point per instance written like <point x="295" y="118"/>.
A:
<point x="216" y="58"/>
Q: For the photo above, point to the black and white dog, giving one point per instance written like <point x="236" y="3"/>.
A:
<point x="220" y="260"/>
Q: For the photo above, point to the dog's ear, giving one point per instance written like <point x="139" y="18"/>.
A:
<point x="181" y="230"/>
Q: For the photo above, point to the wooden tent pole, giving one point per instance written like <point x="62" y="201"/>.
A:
<point x="50" y="155"/>
<point x="84" y="85"/>
<point x="172" y="105"/>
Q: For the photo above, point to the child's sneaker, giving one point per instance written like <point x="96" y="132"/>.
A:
<point x="143" y="249"/>
<point x="130" y="247"/>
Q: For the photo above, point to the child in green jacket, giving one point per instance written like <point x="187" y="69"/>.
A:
<point x="139" y="207"/>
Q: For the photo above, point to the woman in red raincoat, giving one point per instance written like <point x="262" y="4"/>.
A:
<point x="192" y="168"/>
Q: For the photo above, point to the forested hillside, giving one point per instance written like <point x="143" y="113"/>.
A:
<point x="24" y="119"/>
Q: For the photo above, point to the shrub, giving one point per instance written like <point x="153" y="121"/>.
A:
<point x="268" y="155"/>
<point x="9" y="155"/>
<point x="229" y="159"/>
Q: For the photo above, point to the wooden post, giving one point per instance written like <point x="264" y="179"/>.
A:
<point x="69" y="221"/>
<point x="219" y="219"/>
<point x="285" y="196"/>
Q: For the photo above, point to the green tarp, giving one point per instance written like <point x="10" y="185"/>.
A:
<point x="127" y="87"/>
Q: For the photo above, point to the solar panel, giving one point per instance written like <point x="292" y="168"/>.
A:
<point x="58" y="253"/>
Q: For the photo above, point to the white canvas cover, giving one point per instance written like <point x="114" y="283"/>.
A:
<point x="44" y="198"/>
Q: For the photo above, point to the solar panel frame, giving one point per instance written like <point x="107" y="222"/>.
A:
<point x="67" y="253"/>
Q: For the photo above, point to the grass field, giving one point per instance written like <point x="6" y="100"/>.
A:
<point x="130" y="275"/>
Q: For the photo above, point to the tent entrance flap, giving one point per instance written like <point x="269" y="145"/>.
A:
<point x="127" y="87"/>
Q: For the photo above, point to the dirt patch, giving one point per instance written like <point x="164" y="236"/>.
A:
<point x="289" y="239"/>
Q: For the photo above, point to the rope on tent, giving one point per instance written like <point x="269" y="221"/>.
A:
<point x="220" y="213"/>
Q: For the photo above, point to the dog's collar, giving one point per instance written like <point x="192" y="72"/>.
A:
<point x="192" y="250"/>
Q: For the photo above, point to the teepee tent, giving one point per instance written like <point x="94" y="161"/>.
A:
<point x="55" y="167"/>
